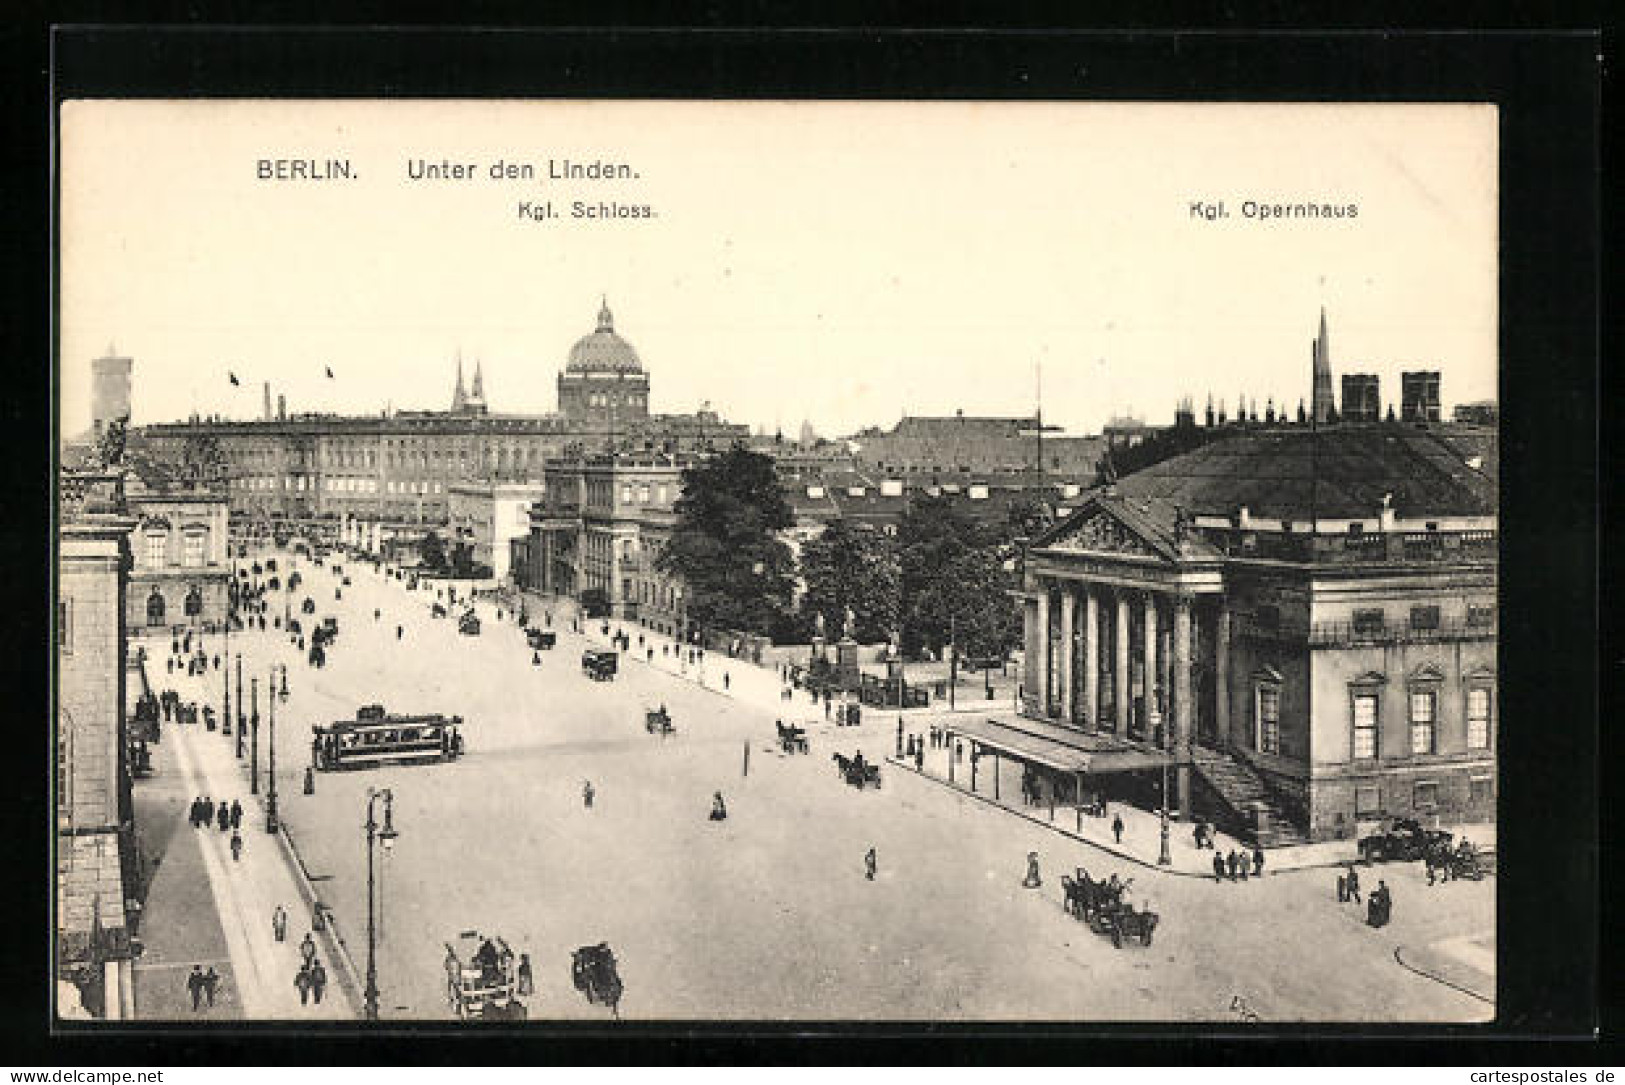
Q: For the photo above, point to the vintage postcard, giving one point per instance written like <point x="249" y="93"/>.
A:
<point x="540" y="560"/>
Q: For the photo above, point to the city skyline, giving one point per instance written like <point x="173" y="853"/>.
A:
<point x="933" y="249"/>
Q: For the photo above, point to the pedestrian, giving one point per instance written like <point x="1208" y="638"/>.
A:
<point x="194" y="985"/>
<point x="587" y="794"/>
<point x="223" y="817"/>
<point x="527" y="983"/>
<point x="870" y="862"/>
<point x="1354" y="885"/>
<point x="279" y="924"/>
<point x="919" y="757"/>
<point x="1117" y="828"/>
<point x="301" y="980"/>
<point x="1258" y="861"/>
<point x="208" y="813"/>
<point x="211" y="980"/>
<point x="1218" y="873"/>
<point x="191" y="815"/>
<point x="169" y="664"/>
<point x="236" y="813"/>
<point x="536" y="659"/>
<point x="236" y="846"/>
<point x="719" y="811"/>
<point x="398" y="631"/>
<point x="1232" y="861"/>
<point x="318" y="981"/>
<point x="307" y="949"/>
<point x="725" y="679"/>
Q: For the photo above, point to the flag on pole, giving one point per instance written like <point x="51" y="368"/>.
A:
<point x="233" y="377"/>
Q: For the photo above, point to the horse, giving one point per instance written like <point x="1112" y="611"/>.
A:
<point x="592" y="970"/>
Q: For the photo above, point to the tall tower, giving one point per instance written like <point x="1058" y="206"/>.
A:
<point x="459" y="397"/>
<point x="109" y="390"/>
<point x="1321" y="349"/>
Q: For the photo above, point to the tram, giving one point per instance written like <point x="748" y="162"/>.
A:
<point x="375" y="738"/>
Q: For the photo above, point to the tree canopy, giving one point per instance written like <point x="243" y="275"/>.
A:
<point x="955" y="584"/>
<point x="725" y="546"/>
<point x="852" y="565"/>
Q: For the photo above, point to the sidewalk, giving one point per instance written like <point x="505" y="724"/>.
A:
<point x="240" y="895"/>
<point x="1142" y="829"/>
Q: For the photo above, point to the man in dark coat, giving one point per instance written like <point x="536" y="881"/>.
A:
<point x="207" y="812"/>
<point x="236" y="846"/>
<point x="318" y="981"/>
<point x="1117" y="828"/>
<point x="1354" y="885"/>
<point x="194" y="985"/>
<point x="301" y="980"/>
<point x="211" y="980"/>
<point x="1258" y="861"/>
<point x="236" y="813"/>
<point x="1232" y="861"/>
<point x="1218" y="867"/>
<point x="223" y="817"/>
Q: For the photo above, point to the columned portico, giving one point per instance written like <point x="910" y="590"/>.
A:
<point x="1041" y="660"/>
<point x="1122" y="693"/>
<point x="1068" y="646"/>
<point x="1150" y="665"/>
<point x="1091" y="659"/>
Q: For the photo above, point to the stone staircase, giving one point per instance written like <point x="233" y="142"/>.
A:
<point x="1256" y="813"/>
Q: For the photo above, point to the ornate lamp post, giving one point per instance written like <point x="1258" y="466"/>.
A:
<point x="385" y="835"/>
<point x="270" y="798"/>
<point x="225" y="672"/>
<point x="241" y="721"/>
<point x="254" y="743"/>
<point x="1163" y="857"/>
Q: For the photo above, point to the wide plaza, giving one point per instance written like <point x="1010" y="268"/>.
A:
<point x="766" y="915"/>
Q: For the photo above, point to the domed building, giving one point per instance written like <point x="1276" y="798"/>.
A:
<point x="604" y="382"/>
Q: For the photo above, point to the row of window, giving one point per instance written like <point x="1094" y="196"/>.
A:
<point x="1424" y="796"/>
<point x="1422" y="708"/>
<point x="194" y="548"/>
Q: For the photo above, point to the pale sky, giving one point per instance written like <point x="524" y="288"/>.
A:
<point x="842" y="263"/>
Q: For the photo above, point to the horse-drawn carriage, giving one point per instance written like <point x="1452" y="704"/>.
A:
<point x="1462" y="861"/>
<point x="1403" y="840"/>
<point x="481" y="979"/>
<point x="469" y="623"/>
<point x="1102" y="907"/>
<point x="438" y="610"/>
<point x="599" y="664"/>
<point x="541" y="639"/>
<point x="857" y="772"/>
<point x="792" y="739"/>
<point x="657" y="721"/>
<point x="593" y="971"/>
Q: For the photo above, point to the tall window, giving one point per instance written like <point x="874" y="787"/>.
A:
<point x="157" y="549"/>
<point x="1269" y="718"/>
<point x="197" y="544"/>
<point x="1365" y="726"/>
<point x="1423" y="705"/>
<point x="1478" y="719"/>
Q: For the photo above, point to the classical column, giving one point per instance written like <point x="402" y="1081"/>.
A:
<point x="1041" y="659"/>
<point x="1091" y="659"/>
<point x="1150" y="663"/>
<point x="1221" y="675"/>
<point x="1182" y="699"/>
<point x="1064" y="663"/>
<point x="1121" y="693"/>
<point x="1029" y="643"/>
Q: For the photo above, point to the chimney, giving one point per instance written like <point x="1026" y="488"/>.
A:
<point x="267" y="401"/>
<point x="281" y="407"/>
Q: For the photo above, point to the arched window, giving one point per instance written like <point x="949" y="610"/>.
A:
<point x="155" y="608"/>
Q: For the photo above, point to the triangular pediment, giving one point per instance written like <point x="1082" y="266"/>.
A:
<point x="1096" y="529"/>
<point x="1427" y="672"/>
<point x="1480" y="673"/>
<point x="1369" y="678"/>
<point x="1265" y="674"/>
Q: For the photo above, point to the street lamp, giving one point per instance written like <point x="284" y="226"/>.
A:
<point x="225" y="673"/>
<point x="385" y="835"/>
<point x="254" y="743"/>
<point x="270" y="798"/>
<point x="1163" y="857"/>
<point x="240" y="722"/>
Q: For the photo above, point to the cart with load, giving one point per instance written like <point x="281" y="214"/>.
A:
<point x="657" y="721"/>
<point x="469" y="623"/>
<point x="599" y="665"/>
<point x="482" y="979"/>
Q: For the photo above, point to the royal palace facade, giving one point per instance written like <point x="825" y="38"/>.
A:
<point x="400" y="467"/>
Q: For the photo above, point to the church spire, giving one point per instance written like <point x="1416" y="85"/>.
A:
<point x="478" y="391"/>
<point x="459" y="397"/>
<point x="1322" y="383"/>
<point x="606" y="320"/>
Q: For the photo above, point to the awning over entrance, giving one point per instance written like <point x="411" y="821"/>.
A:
<point x="1058" y="747"/>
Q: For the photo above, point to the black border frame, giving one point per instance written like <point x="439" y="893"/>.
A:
<point x="1547" y="85"/>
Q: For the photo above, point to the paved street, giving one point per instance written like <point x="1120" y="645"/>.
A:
<point x="768" y="914"/>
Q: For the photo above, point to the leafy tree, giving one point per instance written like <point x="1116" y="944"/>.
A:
<point x="856" y="566"/>
<point x="955" y="583"/>
<point x="725" y="545"/>
<point x="432" y="550"/>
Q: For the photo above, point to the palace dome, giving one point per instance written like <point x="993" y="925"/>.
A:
<point x="603" y="351"/>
